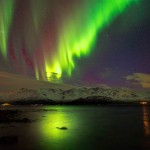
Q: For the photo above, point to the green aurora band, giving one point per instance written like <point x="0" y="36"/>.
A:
<point x="6" y="15"/>
<point x="78" y="32"/>
<point x="51" y="35"/>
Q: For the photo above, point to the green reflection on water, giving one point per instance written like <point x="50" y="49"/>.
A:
<point x="54" y="137"/>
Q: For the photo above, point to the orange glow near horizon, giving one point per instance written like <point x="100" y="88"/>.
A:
<point x="143" y="103"/>
<point x="146" y="121"/>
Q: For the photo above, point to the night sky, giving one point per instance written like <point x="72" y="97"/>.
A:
<point x="78" y="41"/>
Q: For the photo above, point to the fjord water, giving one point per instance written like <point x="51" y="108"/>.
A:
<point x="88" y="128"/>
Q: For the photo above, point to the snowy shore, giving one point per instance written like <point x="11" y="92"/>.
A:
<point x="15" y="89"/>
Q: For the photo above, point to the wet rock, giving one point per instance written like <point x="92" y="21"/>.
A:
<point x="12" y="116"/>
<point x="62" y="128"/>
<point x="24" y="120"/>
<point x="7" y="116"/>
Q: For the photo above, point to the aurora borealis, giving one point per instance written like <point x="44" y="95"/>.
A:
<point x="51" y="38"/>
<point x="6" y="14"/>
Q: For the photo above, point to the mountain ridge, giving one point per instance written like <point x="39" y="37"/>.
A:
<point x="15" y="88"/>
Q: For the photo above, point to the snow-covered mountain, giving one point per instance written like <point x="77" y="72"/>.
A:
<point x="19" y="88"/>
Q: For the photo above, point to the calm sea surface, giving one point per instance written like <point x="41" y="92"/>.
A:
<point x="88" y="128"/>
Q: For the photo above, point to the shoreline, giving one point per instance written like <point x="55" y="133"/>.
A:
<point x="74" y="103"/>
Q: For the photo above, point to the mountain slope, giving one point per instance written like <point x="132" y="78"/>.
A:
<point x="9" y="82"/>
<point x="18" y="88"/>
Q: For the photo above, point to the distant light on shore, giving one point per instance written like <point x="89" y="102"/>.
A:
<point x="143" y="103"/>
<point x="6" y="104"/>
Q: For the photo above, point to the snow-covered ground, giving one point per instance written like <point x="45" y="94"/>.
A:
<point x="16" y="88"/>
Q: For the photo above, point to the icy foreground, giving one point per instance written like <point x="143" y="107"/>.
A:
<point x="18" y="88"/>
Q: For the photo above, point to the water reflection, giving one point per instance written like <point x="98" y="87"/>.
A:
<point x="53" y="136"/>
<point x="89" y="128"/>
<point x="146" y="121"/>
